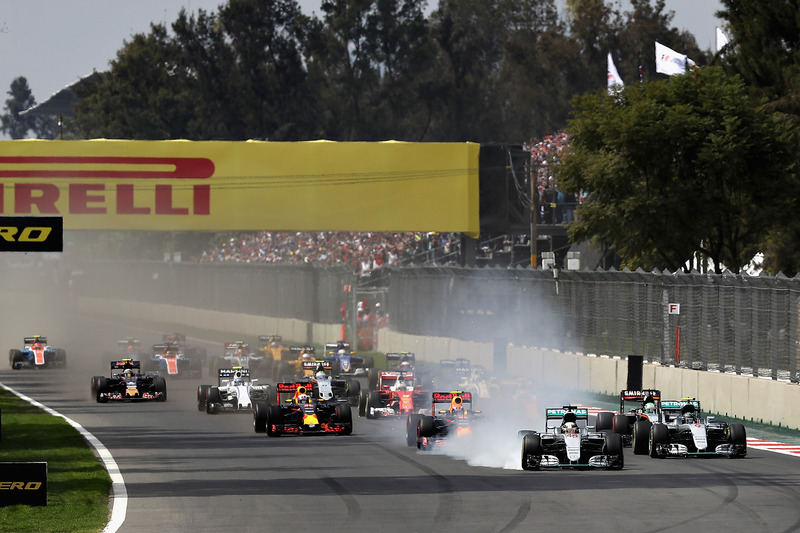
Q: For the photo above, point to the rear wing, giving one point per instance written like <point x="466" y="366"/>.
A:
<point x="447" y="364"/>
<point x="639" y="396"/>
<point x="326" y="365"/>
<point x="554" y="415"/>
<point x="394" y="359"/>
<point x="35" y="338"/>
<point x="173" y="338"/>
<point x="677" y="405"/>
<point x="270" y="338"/>
<point x="228" y="373"/>
<point x="125" y="364"/>
<point x="463" y="366"/>
<point x="450" y="397"/>
<point x="290" y="390"/>
<point x="124" y="343"/>
<point x="333" y="347"/>
<point x="233" y="346"/>
<point x="297" y="350"/>
<point x="159" y="347"/>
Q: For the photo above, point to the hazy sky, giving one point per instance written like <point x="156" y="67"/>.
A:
<point x="55" y="42"/>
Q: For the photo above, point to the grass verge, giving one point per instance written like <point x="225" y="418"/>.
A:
<point x="78" y="485"/>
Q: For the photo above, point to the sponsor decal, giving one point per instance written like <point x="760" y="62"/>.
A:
<point x="31" y="234"/>
<point x="23" y="484"/>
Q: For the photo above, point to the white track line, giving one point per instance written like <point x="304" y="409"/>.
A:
<point x="120" y="493"/>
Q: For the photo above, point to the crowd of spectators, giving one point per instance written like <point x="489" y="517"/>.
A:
<point x="554" y="206"/>
<point x="364" y="252"/>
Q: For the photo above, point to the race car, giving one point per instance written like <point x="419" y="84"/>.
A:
<point x="36" y="353"/>
<point x="345" y="362"/>
<point x="276" y="355"/>
<point x="127" y="383"/>
<point x="303" y="408"/>
<point x="239" y="354"/>
<point x="633" y="422"/>
<point x="452" y="373"/>
<point x="178" y="340"/>
<point x="567" y="442"/>
<point x="686" y="432"/>
<point x="398" y="361"/>
<point x="130" y="348"/>
<point x="169" y="360"/>
<point x="234" y="392"/>
<point x="429" y="431"/>
<point x="395" y="394"/>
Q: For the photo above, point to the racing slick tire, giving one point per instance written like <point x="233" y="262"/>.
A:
<point x="353" y="391"/>
<point x="372" y="378"/>
<point x="15" y="359"/>
<point x="373" y="401"/>
<point x="102" y="385"/>
<point x="362" y="403"/>
<point x="160" y="385"/>
<point x="531" y="445"/>
<point x="274" y="416"/>
<point x="621" y="425"/>
<point x="613" y="447"/>
<point x="212" y="400"/>
<point x="260" y="411"/>
<point x="659" y="434"/>
<point x="737" y="435"/>
<point x="425" y="428"/>
<point x="368" y="361"/>
<point x="641" y="437"/>
<point x="411" y="429"/>
<point x="95" y="381"/>
<point x="202" y="390"/>
<point x="604" y="421"/>
<point x="344" y="415"/>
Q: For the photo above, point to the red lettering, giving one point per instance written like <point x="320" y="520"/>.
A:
<point x="164" y="202"/>
<point x="79" y="198"/>
<point x="202" y="199"/>
<point x="125" y="202"/>
<point x="42" y="195"/>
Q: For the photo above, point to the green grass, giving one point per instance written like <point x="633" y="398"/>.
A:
<point x="78" y="486"/>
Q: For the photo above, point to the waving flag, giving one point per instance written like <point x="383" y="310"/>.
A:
<point x="670" y="62"/>
<point x="614" y="81"/>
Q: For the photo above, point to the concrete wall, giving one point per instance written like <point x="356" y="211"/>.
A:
<point x="750" y="398"/>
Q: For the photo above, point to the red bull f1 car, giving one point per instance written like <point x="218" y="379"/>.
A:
<point x="567" y="442"/>
<point x="127" y="383"/>
<point x="451" y="417"/>
<point x="685" y="432"/>
<point x="306" y="407"/>
<point x="36" y="353"/>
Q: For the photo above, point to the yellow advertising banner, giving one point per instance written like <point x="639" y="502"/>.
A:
<point x="226" y="186"/>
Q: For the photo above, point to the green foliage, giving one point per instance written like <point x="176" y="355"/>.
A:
<point x="78" y="485"/>
<point x="19" y="126"/>
<point x="678" y="167"/>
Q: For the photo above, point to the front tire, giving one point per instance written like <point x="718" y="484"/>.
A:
<point x="641" y="437"/>
<point x="274" y="416"/>
<point x="659" y="434"/>
<point x="531" y="447"/>
<point x="260" y="414"/>
<point x="604" y="421"/>
<point x="373" y="401"/>
<point x="161" y="386"/>
<point x="212" y="400"/>
<point x="411" y="429"/>
<point x="202" y="391"/>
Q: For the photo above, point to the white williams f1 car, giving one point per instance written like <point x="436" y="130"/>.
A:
<point x="235" y="392"/>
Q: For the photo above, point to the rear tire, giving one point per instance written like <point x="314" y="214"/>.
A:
<point x="212" y="400"/>
<point x="362" y="403"/>
<point x="344" y="415"/>
<point x="604" y="421"/>
<point x="353" y="391"/>
<point x="94" y="385"/>
<point x="411" y="429"/>
<point x="102" y="385"/>
<point x="641" y="437"/>
<point x="372" y="378"/>
<point x="621" y="425"/>
<point x="260" y="413"/>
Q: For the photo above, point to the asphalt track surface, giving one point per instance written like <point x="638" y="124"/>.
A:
<point x="188" y="471"/>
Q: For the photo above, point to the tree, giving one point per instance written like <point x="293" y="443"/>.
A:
<point x="679" y="167"/>
<point x="15" y="125"/>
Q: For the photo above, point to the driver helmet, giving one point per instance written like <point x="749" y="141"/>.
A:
<point x="273" y="343"/>
<point x="405" y="366"/>
<point x="237" y="378"/>
<point x="302" y="398"/>
<point x="128" y="373"/>
<point x="341" y="352"/>
<point x="570" y="427"/>
<point x="321" y="375"/>
<point x="650" y="408"/>
<point x="306" y="356"/>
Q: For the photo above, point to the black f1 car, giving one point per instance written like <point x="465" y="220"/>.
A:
<point x="436" y="429"/>
<point x="128" y="383"/>
<point x="303" y="408"/>
<point x="37" y="354"/>
<point x="567" y="442"/>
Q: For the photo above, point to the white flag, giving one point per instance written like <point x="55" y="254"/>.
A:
<point x="670" y="62"/>
<point x="722" y="39"/>
<point x="614" y="81"/>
